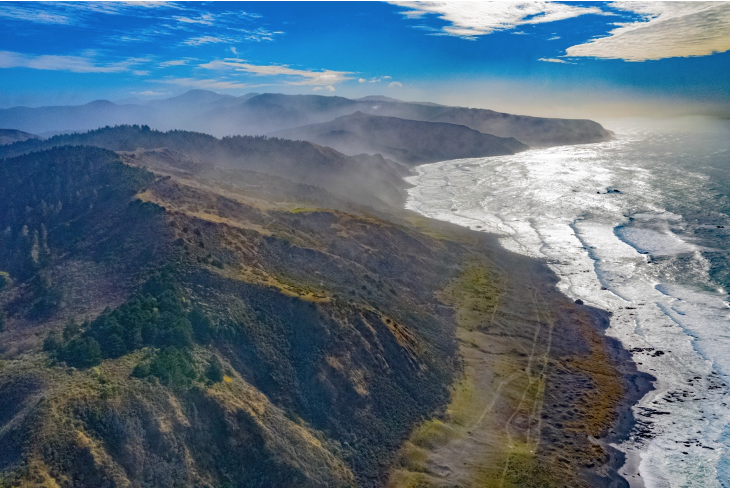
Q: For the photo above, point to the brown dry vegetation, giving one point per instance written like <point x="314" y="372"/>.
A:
<point x="527" y="400"/>
<point x="338" y="327"/>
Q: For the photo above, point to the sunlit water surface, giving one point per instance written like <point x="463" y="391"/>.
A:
<point x="638" y="226"/>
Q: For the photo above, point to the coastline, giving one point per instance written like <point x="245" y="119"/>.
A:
<point x="656" y="262"/>
<point x="589" y="385"/>
<point x="622" y="468"/>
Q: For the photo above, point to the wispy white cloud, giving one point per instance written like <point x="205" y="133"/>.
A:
<point x="255" y="35"/>
<point x="329" y="88"/>
<point x="75" y="64"/>
<point x="162" y="18"/>
<point x="174" y="62"/>
<point x="470" y="20"/>
<point x="74" y="13"/>
<point x="395" y="84"/>
<point x="260" y="35"/>
<point x="302" y="76"/>
<point x="375" y="79"/>
<point x="199" y="41"/>
<point x="117" y="8"/>
<point x="554" y="38"/>
<point x="554" y="60"/>
<point x="666" y="30"/>
<point x="203" y="19"/>
<point x="20" y="11"/>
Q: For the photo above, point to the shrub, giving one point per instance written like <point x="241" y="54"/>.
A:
<point x="53" y="343"/>
<point x="215" y="370"/>
<point x="4" y="280"/>
<point x="173" y="367"/>
<point x="71" y="330"/>
<point x="142" y="370"/>
<point x="82" y="352"/>
<point x="203" y="326"/>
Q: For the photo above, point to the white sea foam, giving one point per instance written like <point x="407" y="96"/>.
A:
<point x="624" y="252"/>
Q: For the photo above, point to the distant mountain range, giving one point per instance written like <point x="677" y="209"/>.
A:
<point x="259" y="114"/>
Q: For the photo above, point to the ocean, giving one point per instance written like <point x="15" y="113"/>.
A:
<point x="638" y="226"/>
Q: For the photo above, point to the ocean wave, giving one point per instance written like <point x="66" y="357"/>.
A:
<point x="632" y="252"/>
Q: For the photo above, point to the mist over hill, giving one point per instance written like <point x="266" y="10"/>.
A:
<point x="405" y="141"/>
<point x="258" y="114"/>
<point x="371" y="180"/>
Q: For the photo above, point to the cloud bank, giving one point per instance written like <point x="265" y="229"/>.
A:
<point x="662" y="29"/>
<point x="469" y="20"/>
<point x="667" y="30"/>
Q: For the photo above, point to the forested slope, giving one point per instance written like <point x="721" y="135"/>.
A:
<point x="225" y="342"/>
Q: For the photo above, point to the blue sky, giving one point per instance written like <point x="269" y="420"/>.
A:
<point x="531" y="57"/>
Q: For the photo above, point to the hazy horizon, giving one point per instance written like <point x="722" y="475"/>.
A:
<point x="603" y="111"/>
<point x="567" y="59"/>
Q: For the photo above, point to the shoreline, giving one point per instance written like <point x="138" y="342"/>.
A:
<point x="621" y="466"/>
<point x="600" y="400"/>
<point x="637" y="385"/>
<point x="619" y="469"/>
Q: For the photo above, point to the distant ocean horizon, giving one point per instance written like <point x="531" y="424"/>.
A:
<point x="638" y="226"/>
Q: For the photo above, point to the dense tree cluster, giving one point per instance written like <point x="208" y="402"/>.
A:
<point x="172" y="366"/>
<point x="51" y="198"/>
<point x="158" y="316"/>
<point x="70" y="202"/>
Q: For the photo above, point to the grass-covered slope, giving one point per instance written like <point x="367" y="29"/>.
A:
<point x="160" y="332"/>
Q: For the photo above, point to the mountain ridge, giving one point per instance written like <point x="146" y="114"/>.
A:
<point x="168" y="321"/>
<point x="258" y="114"/>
